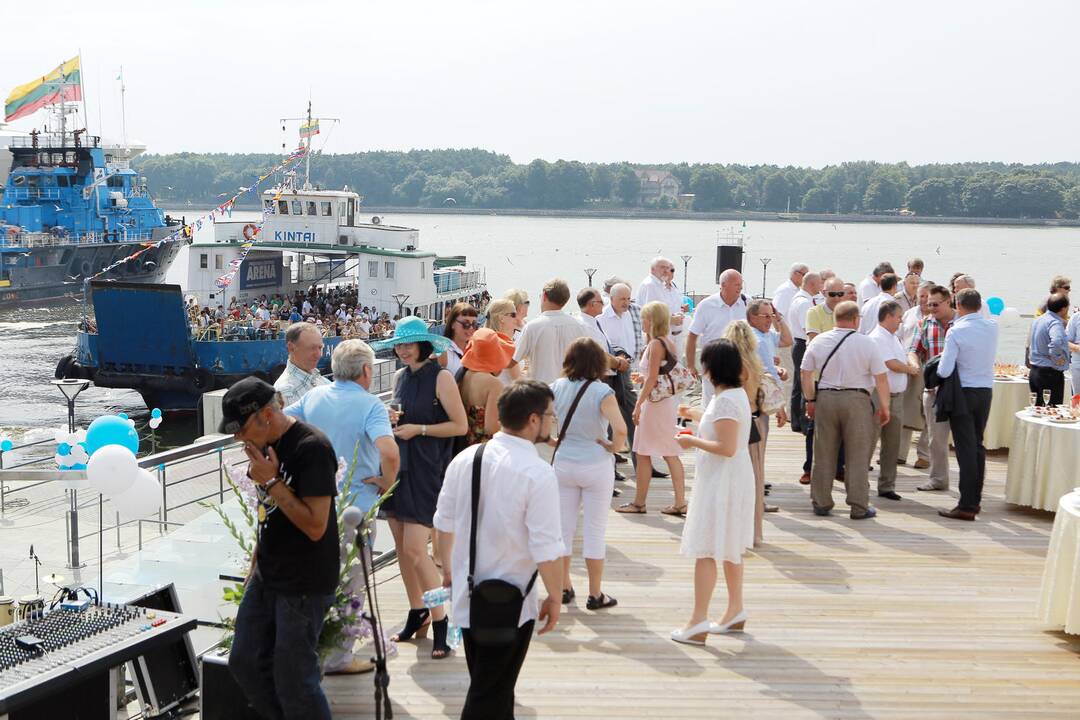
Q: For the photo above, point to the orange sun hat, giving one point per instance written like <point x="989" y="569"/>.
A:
<point x="488" y="351"/>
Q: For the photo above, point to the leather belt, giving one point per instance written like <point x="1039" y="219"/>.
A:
<point x="864" y="392"/>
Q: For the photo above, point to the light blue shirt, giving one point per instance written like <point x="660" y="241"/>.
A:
<point x="970" y="349"/>
<point x="768" y="348"/>
<point x="1049" y="348"/>
<point x="350" y="416"/>
<point x="588" y="424"/>
<point x="1072" y="334"/>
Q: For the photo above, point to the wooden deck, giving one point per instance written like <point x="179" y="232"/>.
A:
<point x="908" y="615"/>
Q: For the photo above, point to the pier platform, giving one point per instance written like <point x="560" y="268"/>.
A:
<point x="907" y="615"/>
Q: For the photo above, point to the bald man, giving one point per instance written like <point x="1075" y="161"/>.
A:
<point x="660" y="285"/>
<point x="711" y="318"/>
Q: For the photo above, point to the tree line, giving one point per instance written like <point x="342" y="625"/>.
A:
<point x="482" y="179"/>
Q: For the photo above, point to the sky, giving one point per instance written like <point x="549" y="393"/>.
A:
<point x="752" y="82"/>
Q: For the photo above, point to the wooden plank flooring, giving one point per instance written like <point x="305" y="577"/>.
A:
<point x="908" y="615"/>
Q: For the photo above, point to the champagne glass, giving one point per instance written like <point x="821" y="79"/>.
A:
<point x="1046" y="397"/>
<point x="395" y="413"/>
<point x="1033" y="399"/>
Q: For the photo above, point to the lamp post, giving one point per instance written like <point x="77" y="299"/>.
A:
<point x="71" y="387"/>
<point x="764" y="269"/>
<point x="685" y="277"/>
<point x="590" y="272"/>
<point x="401" y="299"/>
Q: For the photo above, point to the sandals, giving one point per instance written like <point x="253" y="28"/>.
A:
<point x="417" y="623"/>
<point x="631" y="509"/>
<point x="599" y="603"/>
<point x="568" y="596"/>
<point x="439" y="647"/>
<point x="675" y="510"/>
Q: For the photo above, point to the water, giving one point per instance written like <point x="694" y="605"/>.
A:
<point x="1013" y="263"/>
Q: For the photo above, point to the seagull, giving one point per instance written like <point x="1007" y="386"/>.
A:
<point x="938" y="251"/>
<point x="224" y="194"/>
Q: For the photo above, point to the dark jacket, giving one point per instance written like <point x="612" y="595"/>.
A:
<point x="949" y="400"/>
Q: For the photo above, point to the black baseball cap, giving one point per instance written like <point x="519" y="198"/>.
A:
<point x="242" y="400"/>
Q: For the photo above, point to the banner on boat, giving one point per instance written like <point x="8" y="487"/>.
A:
<point x="261" y="273"/>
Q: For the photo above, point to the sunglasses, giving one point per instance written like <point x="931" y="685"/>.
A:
<point x="836" y="294"/>
<point x="934" y="304"/>
<point x="1066" y="287"/>
<point x="467" y="324"/>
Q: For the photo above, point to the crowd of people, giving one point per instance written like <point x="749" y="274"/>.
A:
<point x="504" y="435"/>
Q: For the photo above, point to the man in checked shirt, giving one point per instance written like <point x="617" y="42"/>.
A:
<point x="927" y="343"/>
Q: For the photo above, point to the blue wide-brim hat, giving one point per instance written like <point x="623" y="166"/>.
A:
<point x="414" y="330"/>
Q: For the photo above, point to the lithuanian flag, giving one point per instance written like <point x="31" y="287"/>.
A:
<point x="308" y="129"/>
<point x="63" y="82"/>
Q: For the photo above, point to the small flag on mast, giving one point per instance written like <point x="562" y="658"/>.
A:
<point x="308" y="129"/>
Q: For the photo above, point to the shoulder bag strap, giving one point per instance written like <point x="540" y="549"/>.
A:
<point x="478" y="460"/>
<point x="821" y="373"/>
<point x="569" y="416"/>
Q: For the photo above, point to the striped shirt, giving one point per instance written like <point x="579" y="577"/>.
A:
<point x="294" y="383"/>
<point x="929" y="339"/>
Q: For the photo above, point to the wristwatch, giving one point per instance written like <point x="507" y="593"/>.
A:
<point x="423" y="430"/>
<point x="271" y="483"/>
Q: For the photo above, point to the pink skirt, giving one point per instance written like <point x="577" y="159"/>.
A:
<point x="655" y="433"/>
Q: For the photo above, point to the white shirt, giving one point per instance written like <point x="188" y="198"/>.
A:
<point x="307" y="307"/>
<point x="519" y="525"/>
<point x="713" y="316"/>
<point x="653" y="288"/>
<point x="593" y="330"/>
<point x="619" y="331"/>
<point x="868" y="319"/>
<point x="891" y="349"/>
<point x="453" y="357"/>
<point x="852" y="367"/>
<point x="910" y="321"/>
<point x="868" y="288"/>
<point x="796" y="318"/>
<point x="783" y="296"/>
<point x="262" y="314"/>
<point x="544" y="342"/>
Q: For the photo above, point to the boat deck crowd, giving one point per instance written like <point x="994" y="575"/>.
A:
<point x="543" y="416"/>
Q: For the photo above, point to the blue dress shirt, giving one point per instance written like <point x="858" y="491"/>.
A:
<point x="353" y="419"/>
<point x="970" y="349"/>
<point x="1049" y="347"/>
<point x="768" y="344"/>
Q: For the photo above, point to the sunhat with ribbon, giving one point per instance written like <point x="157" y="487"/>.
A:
<point x="413" y="330"/>
<point x="488" y="351"/>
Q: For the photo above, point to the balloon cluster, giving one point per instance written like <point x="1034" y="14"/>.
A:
<point x="155" y="418"/>
<point x="111" y="444"/>
<point x="1006" y="316"/>
<point x="71" y="451"/>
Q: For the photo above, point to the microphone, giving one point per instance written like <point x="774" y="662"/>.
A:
<point x="31" y="551"/>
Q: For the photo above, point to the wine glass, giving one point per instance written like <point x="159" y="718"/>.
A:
<point x="1046" y="397"/>
<point x="395" y="413"/>
<point x="1033" y="399"/>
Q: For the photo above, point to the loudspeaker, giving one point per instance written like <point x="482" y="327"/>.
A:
<point x="166" y="676"/>
<point x="728" y="257"/>
<point x="221" y="697"/>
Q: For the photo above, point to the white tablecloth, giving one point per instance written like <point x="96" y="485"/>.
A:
<point x="1059" y="600"/>
<point x="1044" y="462"/>
<point x="1010" y="396"/>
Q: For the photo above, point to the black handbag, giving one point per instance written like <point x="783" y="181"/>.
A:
<point x="494" y="605"/>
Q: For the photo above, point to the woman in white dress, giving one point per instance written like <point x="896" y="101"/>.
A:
<point x="720" y="523"/>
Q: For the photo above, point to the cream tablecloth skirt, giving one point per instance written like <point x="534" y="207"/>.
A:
<point x="1010" y="396"/>
<point x="1059" y="599"/>
<point x="1044" y="462"/>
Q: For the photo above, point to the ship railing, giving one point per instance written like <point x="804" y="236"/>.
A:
<point x="34" y="193"/>
<point x="453" y="281"/>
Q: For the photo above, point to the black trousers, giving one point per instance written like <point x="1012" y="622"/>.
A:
<point x="796" y="414"/>
<point x="967" y="434"/>
<point x="493" y="673"/>
<point x="626" y="398"/>
<point x="1047" y="378"/>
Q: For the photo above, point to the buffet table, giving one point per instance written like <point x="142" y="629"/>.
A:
<point x="1010" y="396"/>
<point x="1059" y="598"/>
<point x="1044" y="462"/>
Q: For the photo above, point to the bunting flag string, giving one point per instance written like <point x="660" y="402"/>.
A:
<point x="226" y="208"/>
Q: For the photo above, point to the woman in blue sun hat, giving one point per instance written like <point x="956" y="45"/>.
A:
<point x="429" y="416"/>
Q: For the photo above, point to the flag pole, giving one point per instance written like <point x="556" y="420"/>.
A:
<point x="82" y="95"/>
<point x="123" y="110"/>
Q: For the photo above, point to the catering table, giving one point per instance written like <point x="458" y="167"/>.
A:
<point x="1044" y="462"/>
<point x="1010" y="396"/>
<point x="1059" y="599"/>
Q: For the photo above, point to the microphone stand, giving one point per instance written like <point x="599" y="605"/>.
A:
<point x="382" y="675"/>
<point x="37" y="564"/>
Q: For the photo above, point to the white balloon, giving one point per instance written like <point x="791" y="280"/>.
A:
<point x="142" y="498"/>
<point x="112" y="470"/>
<point x="352" y="516"/>
<point x="61" y="434"/>
<point x="63" y="461"/>
<point x="80" y="435"/>
<point x="1009" y="316"/>
<point x="77" y="454"/>
<point x="155" y="423"/>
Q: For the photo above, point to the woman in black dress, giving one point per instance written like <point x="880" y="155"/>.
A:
<point x="431" y="416"/>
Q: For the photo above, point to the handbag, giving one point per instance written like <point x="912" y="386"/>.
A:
<point x="494" y="605"/>
<point x="677" y="376"/>
<point x="569" y="415"/>
<point x="772" y="395"/>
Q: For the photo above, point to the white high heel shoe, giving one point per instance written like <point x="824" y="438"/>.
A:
<point x="693" y="635"/>
<point x="736" y="624"/>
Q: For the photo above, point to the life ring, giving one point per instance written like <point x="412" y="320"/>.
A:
<point x="250" y="231"/>
<point x="63" y="367"/>
<point x="375" y="219"/>
<point x="86" y="268"/>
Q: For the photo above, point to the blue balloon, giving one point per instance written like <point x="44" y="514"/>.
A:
<point x="689" y="301"/>
<point x="6" y="445"/>
<point x="77" y="466"/>
<point x="63" y="449"/>
<point x="122" y="415"/>
<point x="995" y="305"/>
<point x="155" y="413"/>
<point x="111" y="430"/>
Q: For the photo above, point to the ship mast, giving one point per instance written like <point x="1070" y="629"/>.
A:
<point x="307" y="159"/>
<point x="306" y="121"/>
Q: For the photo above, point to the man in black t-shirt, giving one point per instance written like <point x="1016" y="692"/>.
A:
<point x="296" y="563"/>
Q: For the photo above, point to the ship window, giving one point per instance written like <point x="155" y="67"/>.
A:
<point x="268" y="205"/>
<point x="297" y="208"/>
<point x="19" y="180"/>
<point x="203" y="261"/>
<point x="328" y="209"/>
<point x="311" y="207"/>
<point x="63" y="181"/>
<point x="373" y="269"/>
<point x="219" y="262"/>
<point x="283" y="207"/>
<point x="32" y="181"/>
<point x="115" y="181"/>
<point x="389" y="270"/>
<point x="341" y="209"/>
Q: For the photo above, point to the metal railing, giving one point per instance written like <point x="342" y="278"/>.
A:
<point x="27" y="193"/>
